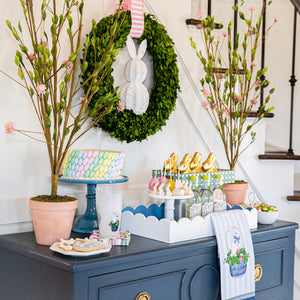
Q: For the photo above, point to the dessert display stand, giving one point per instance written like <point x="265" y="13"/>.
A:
<point x="169" y="203"/>
<point x="89" y="221"/>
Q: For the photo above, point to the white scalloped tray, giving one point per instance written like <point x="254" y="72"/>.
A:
<point x="170" y="231"/>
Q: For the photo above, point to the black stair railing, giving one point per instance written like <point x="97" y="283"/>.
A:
<point x="262" y="64"/>
<point x="293" y="81"/>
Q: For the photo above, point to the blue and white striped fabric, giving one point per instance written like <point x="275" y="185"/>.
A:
<point x="236" y="255"/>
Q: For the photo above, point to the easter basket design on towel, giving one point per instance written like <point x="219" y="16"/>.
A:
<point x="236" y="255"/>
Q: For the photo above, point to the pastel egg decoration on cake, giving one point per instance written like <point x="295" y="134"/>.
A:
<point x="93" y="164"/>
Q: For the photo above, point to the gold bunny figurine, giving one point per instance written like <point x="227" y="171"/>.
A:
<point x="170" y="165"/>
<point x="195" y="165"/>
<point x="184" y="166"/>
<point x="209" y="164"/>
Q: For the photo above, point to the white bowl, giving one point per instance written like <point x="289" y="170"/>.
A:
<point x="267" y="217"/>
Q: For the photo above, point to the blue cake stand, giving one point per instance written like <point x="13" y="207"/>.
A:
<point x="89" y="221"/>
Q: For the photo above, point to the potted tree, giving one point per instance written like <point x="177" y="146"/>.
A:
<point x="52" y="84"/>
<point x="232" y="84"/>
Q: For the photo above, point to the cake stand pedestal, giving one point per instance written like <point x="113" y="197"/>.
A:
<point x="169" y="203"/>
<point x="89" y="221"/>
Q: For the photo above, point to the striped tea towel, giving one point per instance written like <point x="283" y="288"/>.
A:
<point x="236" y="255"/>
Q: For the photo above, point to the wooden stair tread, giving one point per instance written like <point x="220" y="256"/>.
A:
<point x="196" y="22"/>
<point x="295" y="197"/>
<point x="224" y="70"/>
<point x="278" y="156"/>
<point x="254" y="114"/>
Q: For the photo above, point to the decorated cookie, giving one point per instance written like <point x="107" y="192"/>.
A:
<point x="85" y="245"/>
<point x="66" y="244"/>
<point x="66" y="247"/>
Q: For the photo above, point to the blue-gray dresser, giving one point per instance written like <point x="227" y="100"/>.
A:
<point x="147" y="269"/>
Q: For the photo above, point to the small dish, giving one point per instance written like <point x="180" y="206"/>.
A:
<point x="267" y="217"/>
<point x="103" y="249"/>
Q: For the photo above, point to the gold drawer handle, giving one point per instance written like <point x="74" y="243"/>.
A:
<point x="143" y="296"/>
<point x="258" y="272"/>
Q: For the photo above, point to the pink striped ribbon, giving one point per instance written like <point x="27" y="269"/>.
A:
<point x="137" y="16"/>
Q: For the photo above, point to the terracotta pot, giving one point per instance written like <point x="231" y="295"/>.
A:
<point x="235" y="193"/>
<point x="52" y="220"/>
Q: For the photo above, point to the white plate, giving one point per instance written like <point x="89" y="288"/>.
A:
<point x="170" y="197"/>
<point x="103" y="249"/>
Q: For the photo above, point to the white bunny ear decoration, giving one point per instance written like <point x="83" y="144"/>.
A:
<point x="142" y="49"/>
<point x="131" y="47"/>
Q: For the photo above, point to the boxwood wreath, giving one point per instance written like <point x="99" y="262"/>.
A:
<point x="125" y="125"/>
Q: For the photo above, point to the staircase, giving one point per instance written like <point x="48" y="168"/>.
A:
<point x="282" y="154"/>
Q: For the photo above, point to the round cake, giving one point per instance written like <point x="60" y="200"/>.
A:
<point x="93" y="164"/>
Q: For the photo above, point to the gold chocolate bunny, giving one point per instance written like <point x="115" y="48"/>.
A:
<point x="184" y="166"/>
<point x="170" y="165"/>
<point x="195" y="165"/>
<point x="209" y="164"/>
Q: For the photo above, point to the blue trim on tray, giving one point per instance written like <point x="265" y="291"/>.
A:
<point x="155" y="210"/>
<point x="158" y="211"/>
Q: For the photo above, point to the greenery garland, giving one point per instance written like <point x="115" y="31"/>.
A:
<point x="125" y="125"/>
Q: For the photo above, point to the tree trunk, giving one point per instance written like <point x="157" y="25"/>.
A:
<point x="54" y="181"/>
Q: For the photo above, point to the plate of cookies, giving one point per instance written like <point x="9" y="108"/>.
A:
<point x="80" y="247"/>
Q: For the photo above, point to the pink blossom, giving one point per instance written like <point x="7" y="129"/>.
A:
<point x="206" y="93"/>
<point x="121" y="106"/>
<point x="250" y="31"/>
<point x="226" y="112"/>
<point x="31" y="56"/>
<point x="257" y="82"/>
<point x="9" y="127"/>
<point x="41" y="89"/>
<point x="69" y="64"/>
<point x="83" y="101"/>
<point x="213" y="106"/>
<point x="237" y="251"/>
<point x="199" y="26"/>
<point x="238" y="98"/>
<point x="225" y="33"/>
<point x="214" y="41"/>
<point x="240" y="259"/>
<point x="204" y="104"/>
<point x="253" y="102"/>
<point x="254" y="63"/>
<point x="271" y="1"/>
<point x="221" y="76"/>
<point x="276" y="19"/>
<point x="45" y="43"/>
<point x="230" y="262"/>
<point x="200" y="13"/>
<point x="252" y="8"/>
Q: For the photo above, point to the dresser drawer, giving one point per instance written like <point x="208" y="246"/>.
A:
<point x="269" y="260"/>
<point x="185" y="278"/>
<point x="157" y="287"/>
